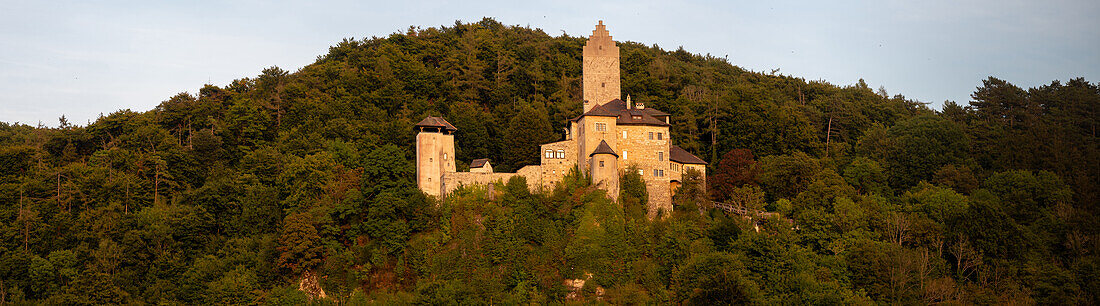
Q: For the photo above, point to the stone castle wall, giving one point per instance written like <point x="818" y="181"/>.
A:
<point x="434" y="157"/>
<point x="605" y="174"/>
<point x="600" y="69"/>
<point x="454" y="180"/>
<point x="651" y="156"/>
<point x="589" y="137"/>
<point x="562" y="159"/>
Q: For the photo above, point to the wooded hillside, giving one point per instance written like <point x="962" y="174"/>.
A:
<point x="234" y="194"/>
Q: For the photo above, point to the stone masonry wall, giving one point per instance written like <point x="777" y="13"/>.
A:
<point x="600" y="69"/>
<point x="637" y="149"/>
<point x="555" y="168"/>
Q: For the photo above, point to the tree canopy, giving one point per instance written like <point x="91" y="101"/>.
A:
<point x="246" y="192"/>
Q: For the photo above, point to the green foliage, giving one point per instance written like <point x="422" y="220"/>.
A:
<point x="922" y="145"/>
<point x="716" y="278"/>
<point x="299" y="244"/>
<point x="784" y="176"/>
<point x="632" y="194"/>
<point x="230" y="195"/>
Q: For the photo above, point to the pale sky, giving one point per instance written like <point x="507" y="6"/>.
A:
<point x="84" y="58"/>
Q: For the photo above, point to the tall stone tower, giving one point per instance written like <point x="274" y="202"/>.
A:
<point x="600" y="69"/>
<point x="435" y="154"/>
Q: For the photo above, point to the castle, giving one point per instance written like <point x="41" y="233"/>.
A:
<point x="609" y="137"/>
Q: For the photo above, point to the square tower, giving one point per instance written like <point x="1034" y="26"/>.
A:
<point x="600" y="69"/>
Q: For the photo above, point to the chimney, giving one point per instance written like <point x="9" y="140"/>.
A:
<point x="628" y="106"/>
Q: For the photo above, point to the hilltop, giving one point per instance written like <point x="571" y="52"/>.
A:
<point x="246" y="192"/>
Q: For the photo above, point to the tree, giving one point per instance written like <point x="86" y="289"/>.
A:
<point x="866" y="176"/>
<point x="527" y="130"/>
<point x="633" y="194"/>
<point x="923" y="145"/>
<point x="716" y="278"/>
<point x="736" y="168"/>
<point x="299" y="244"/>
<point x="784" y="176"/>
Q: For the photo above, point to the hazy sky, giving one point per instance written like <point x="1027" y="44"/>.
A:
<point x="83" y="58"/>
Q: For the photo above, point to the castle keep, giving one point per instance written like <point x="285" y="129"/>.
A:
<point x="609" y="137"/>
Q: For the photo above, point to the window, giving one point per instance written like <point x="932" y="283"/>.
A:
<point x="549" y="154"/>
<point x="601" y="164"/>
<point x="601" y="127"/>
<point x="641" y="172"/>
<point x="662" y="172"/>
<point x="444" y="156"/>
<point x="650" y="135"/>
<point x="603" y="84"/>
<point x="624" y="134"/>
<point x="660" y="136"/>
<point x="624" y="154"/>
<point x="661" y="156"/>
<point x="431" y="160"/>
<point x="654" y="172"/>
<point x="561" y="153"/>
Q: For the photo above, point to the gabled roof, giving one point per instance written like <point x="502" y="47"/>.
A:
<point x="678" y="154"/>
<point x="626" y="116"/>
<point x="478" y="163"/>
<point x="656" y="113"/>
<point x="436" y="122"/>
<point x="638" y="117"/>
<point x="609" y="109"/>
<point x="603" y="148"/>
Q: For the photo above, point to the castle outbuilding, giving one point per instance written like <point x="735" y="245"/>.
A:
<point x="609" y="137"/>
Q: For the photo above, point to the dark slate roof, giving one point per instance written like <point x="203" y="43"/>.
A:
<point x="609" y="109"/>
<point x="617" y="108"/>
<point x="638" y="117"/>
<point x="678" y="154"/>
<point x="437" y="122"/>
<point x="478" y="163"/>
<point x="656" y="113"/>
<point x="603" y="148"/>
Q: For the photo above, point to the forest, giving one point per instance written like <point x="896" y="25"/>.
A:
<point x="298" y="187"/>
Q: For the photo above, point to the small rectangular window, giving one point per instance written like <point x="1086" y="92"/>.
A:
<point x="624" y="134"/>
<point x="662" y="173"/>
<point x="601" y="164"/>
<point x="661" y="156"/>
<point x="549" y="154"/>
<point x="650" y="135"/>
<point x="660" y="136"/>
<point x="601" y="127"/>
<point x="561" y="153"/>
<point x="641" y="172"/>
<point x="624" y="154"/>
